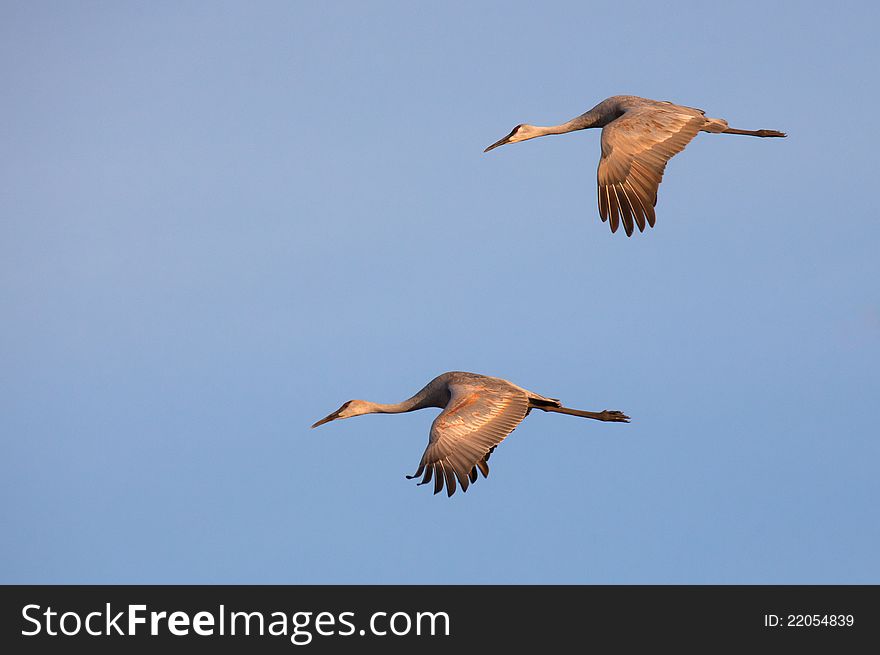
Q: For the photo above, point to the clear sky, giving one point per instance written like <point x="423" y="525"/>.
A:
<point x="219" y="221"/>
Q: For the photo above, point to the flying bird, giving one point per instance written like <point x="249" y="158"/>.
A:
<point x="478" y="413"/>
<point x="638" y="137"/>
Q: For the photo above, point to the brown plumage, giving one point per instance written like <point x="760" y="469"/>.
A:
<point x="478" y="413"/>
<point x="639" y="136"/>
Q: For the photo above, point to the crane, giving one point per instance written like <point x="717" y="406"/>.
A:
<point x="479" y="411"/>
<point x="638" y="137"/>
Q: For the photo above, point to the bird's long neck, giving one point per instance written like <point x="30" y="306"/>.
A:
<point x="564" y="128"/>
<point x="419" y="401"/>
<point x="590" y="119"/>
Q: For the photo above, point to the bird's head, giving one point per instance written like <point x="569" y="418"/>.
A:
<point x="519" y="133"/>
<point x="349" y="409"/>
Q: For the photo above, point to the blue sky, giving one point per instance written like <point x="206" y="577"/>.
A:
<point x="219" y="221"/>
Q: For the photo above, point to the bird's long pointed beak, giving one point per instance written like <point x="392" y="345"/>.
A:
<point x="499" y="143"/>
<point x="327" y="419"/>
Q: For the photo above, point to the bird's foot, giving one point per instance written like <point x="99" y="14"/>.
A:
<point x="614" y="416"/>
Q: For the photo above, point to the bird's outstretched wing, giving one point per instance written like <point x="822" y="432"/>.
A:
<point x="635" y="149"/>
<point x="465" y="433"/>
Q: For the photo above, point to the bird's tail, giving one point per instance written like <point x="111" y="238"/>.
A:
<point x="605" y="415"/>
<point x="714" y="125"/>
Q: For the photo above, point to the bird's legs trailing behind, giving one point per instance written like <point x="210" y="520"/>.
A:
<point x="608" y="415"/>
<point x="731" y="130"/>
<point x="720" y="126"/>
<point x="605" y="415"/>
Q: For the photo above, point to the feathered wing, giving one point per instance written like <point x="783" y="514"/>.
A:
<point x="465" y="433"/>
<point x="635" y="149"/>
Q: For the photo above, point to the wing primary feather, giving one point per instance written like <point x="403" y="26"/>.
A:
<point x="460" y="468"/>
<point x="635" y="209"/>
<point x="483" y="465"/>
<point x="438" y="478"/>
<point x="463" y="480"/>
<point x="647" y="213"/>
<point x="612" y="212"/>
<point x="627" y="220"/>
<point x="450" y="478"/>
<point x="417" y="473"/>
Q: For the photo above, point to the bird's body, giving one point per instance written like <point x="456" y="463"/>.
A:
<point x="478" y="413"/>
<point x="639" y="136"/>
